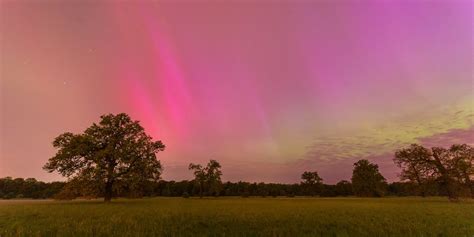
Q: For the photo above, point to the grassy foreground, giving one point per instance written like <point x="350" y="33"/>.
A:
<point x="239" y="217"/>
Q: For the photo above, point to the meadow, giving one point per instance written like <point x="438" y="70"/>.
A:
<point x="239" y="217"/>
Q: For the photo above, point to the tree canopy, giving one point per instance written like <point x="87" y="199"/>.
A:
<point x="116" y="150"/>
<point x="367" y="180"/>
<point x="207" y="178"/>
<point x="452" y="168"/>
<point x="311" y="181"/>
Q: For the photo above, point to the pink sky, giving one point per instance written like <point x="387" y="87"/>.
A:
<point x="268" y="88"/>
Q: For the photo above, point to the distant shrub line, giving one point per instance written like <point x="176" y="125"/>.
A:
<point x="31" y="188"/>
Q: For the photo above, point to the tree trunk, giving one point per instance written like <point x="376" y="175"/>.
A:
<point x="110" y="179"/>
<point x="447" y="181"/>
<point x="108" y="191"/>
<point x="421" y="184"/>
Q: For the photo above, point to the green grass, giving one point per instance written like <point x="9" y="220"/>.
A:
<point x="239" y="217"/>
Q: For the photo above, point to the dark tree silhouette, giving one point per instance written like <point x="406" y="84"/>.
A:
<point x="416" y="166"/>
<point x="451" y="168"/>
<point x="463" y="157"/>
<point x="312" y="182"/>
<point x="115" y="150"/>
<point x="213" y="173"/>
<point x="207" y="178"/>
<point x="199" y="177"/>
<point x="367" y="180"/>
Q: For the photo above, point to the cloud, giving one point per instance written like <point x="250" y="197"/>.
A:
<point x="453" y="136"/>
<point x="438" y="127"/>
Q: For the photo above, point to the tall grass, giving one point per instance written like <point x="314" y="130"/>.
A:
<point x="239" y="217"/>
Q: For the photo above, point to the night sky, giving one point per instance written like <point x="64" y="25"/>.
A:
<point x="268" y="88"/>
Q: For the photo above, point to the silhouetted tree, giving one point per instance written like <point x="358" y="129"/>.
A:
<point x="416" y="166"/>
<point x="213" y="177"/>
<point x="367" y="180"/>
<point x="451" y="168"/>
<point x="199" y="177"/>
<point x="445" y="170"/>
<point x="311" y="181"/>
<point x="463" y="159"/>
<point x="207" y="178"/>
<point x="115" y="150"/>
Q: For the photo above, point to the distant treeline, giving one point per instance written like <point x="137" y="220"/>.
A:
<point x="28" y="188"/>
<point x="31" y="188"/>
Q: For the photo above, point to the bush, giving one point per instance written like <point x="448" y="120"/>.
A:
<point x="185" y="195"/>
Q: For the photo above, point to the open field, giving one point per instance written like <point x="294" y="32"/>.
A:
<point x="239" y="217"/>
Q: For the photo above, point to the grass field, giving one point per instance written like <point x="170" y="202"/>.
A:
<point x="239" y="217"/>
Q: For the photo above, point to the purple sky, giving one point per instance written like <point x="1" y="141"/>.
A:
<point x="268" y="88"/>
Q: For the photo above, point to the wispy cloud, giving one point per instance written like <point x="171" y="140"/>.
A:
<point x="441" y="127"/>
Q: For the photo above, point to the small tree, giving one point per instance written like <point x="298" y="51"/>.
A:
<point x="311" y="181"/>
<point x="367" y="180"/>
<point x="115" y="150"/>
<point x="199" y="177"/>
<point x="213" y="174"/>
<point x="208" y="177"/>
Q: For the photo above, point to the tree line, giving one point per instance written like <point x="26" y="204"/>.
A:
<point x="30" y="188"/>
<point x="116" y="158"/>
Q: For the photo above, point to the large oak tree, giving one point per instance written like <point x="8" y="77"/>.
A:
<point x="451" y="168"/>
<point x="416" y="166"/>
<point x="116" y="150"/>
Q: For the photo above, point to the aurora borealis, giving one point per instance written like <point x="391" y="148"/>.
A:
<point x="269" y="88"/>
